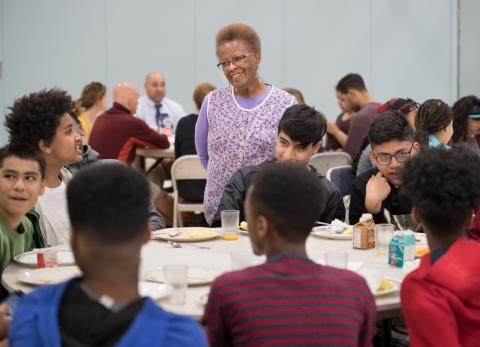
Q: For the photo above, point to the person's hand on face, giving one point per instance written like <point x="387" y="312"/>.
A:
<point x="377" y="190"/>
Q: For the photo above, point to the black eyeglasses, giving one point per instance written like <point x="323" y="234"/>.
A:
<point x="238" y="59"/>
<point x="386" y="158"/>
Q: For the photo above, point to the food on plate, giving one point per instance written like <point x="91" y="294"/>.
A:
<point x="385" y="285"/>
<point x="197" y="234"/>
<point x="348" y="231"/>
<point x="244" y="226"/>
<point x="421" y="251"/>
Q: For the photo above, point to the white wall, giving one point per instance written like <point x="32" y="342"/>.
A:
<point x="401" y="48"/>
<point x="469" y="72"/>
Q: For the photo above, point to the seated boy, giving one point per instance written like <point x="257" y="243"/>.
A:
<point x="376" y="191"/>
<point x="44" y="120"/>
<point x="103" y="307"/>
<point x="300" y="133"/>
<point x="21" y="182"/>
<point x="290" y="297"/>
<point x="441" y="299"/>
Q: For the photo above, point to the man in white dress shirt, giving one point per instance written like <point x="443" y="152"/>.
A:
<point x="155" y="109"/>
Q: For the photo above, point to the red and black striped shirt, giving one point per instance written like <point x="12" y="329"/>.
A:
<point x="290" y="301"/>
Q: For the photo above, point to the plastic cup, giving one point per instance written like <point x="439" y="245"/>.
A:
<point x="176" y="283"/>
<point x="47" y="259"/>
<point x="337" y="259"/>
<point x="383" y="236"/>
<point x="230" y="220"/>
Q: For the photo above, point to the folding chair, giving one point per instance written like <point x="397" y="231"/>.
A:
<point x="326" y="160"/>
<point x="342" y="177"/>
<point x="187" y="167"/>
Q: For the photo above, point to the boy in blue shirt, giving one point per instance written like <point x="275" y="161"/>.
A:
<point x="103" y="307"/>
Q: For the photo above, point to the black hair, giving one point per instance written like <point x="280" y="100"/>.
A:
<point x="24" y="152"/>
<point x="351" y="81"/>
<point x="108" y="203"/>
<point x="291" y="197"/>
<point x="444" y="186"/>
<point x="304" y="124"/>
<point x="389" y="127"/>
<point x="37" y="116"/>
<point x="461" y="110"/>
<point x="433" y="116"/>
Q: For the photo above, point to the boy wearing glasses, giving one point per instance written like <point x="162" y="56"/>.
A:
<point x="376" y="191"/>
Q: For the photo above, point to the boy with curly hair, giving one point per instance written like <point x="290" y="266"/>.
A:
<point x="42" y="120"/>
<point x="46" y="121"/>
<point x="444" y="187"/>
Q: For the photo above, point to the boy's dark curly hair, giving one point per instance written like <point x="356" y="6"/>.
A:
<point x="444" y="186"/>
<point x="36" y="116"/>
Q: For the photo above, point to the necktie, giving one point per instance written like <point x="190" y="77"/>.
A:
<point x="157" y="115"/>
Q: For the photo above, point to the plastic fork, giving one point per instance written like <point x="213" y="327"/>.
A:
<point x="177" y="245"/>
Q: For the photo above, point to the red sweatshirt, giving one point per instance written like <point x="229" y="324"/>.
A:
<point x="441" y="302"/>
<point x="117" y="132"/>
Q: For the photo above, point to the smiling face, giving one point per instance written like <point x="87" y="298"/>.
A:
<point x="239" y="75"/>
<point x="287" y="150"/>
<point x="473" y="127"/>
<point x="66" y="147"/>
<point x="402" y="149"/>
<point x="20" y="185"/>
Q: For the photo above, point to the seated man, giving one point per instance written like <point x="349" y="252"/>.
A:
<point x="22" y="171"/>
<point x="353" y="93"/>
<point x="103" y="307"/>
<point x="444" y="187"/>
<point x="300" y="133"/>
<point x="376" y="191"/>
<point x="290" y="297"/>
<point x="44" y="120"/>
<point x="117" y="132"/>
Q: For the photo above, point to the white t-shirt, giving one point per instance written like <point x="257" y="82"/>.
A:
<point x="52" y="208"/>
<point x="146" y="111"/>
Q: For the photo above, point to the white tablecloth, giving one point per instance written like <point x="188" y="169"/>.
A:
<point x="158" y="253"/>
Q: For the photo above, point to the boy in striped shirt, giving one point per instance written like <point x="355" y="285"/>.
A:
<point x="289" y="300"/>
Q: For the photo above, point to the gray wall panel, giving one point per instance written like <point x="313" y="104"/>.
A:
<point x="323" y="42"/>
<point x="469" y="74"/>
<point x="148" y="35"/>
<point x="402" y="48"/>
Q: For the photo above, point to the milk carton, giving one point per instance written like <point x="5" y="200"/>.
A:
<point x="396" y="249"/>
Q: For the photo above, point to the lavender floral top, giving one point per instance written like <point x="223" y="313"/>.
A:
<point x="238" y="137"/>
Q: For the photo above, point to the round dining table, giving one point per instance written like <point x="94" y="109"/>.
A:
<point x="217" y="255"/>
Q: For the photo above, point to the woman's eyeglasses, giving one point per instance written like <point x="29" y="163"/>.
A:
<point x="238" y="59"/>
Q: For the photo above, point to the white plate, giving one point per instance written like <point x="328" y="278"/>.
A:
<point x="48" y="275"/>
<point x="352" y="265"/>
<point x="64" y="257"/>
<point x="330" y="232"/>
<point x="202" y="300"/>
<point x="244" y="232"/>
<point x="394" y="289"/>
<point x="186" y="234"/>
<point x="197" y="275"/>
<point x="154" y="290"/>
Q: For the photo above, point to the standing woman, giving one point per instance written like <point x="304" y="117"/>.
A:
<point x="92" y="103"/>
<point x="434" y="124"/>
<point x="466" y="121"/>
<point x="237" y="125"/>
